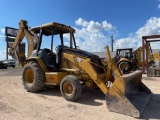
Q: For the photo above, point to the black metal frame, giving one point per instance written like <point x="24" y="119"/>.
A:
<point x="119" y="50"/>
<point x="72" y="40"/>
<point x="7" y="34"/>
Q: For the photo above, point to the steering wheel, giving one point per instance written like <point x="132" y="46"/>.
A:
<point x="48" y="51"/>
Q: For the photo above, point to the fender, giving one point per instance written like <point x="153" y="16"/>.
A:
<point x="40" y="62"/>
<point x="124" y="59"/>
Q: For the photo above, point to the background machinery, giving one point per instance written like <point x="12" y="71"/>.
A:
<point x="152" y="70"/>
<point x="138" y="54"/>
<point x="71" y="68"/>
<point x="126" y="59"/>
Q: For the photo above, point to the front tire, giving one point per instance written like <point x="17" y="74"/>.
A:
<point x="124" y="66"/>
<point x="70" y="88"/>
<point x="33" y="77"/>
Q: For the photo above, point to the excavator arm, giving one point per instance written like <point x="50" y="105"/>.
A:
<point x="138" y="54"/>
<point x="32" y="40"/>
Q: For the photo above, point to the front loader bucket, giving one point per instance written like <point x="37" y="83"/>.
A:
<point x="128" y="95"/>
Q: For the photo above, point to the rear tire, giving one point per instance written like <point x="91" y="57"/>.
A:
<point x="134" y="67"/>
<point x="70" y="88"/>
<point x="126" y="64"/>
<point x="33" y="77"/>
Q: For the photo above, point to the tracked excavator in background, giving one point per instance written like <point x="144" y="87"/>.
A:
<point x="71" y="68"/>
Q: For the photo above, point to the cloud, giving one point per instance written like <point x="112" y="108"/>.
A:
<point x="107" y="26"/>
<point x="94" y="26"/>
<point x="81" y="22"/>
<point x="92" y="35"/>
<point x="94" y="42"/>
<point x="130" y="42"/>
<point x="151" y="27"/>
<point x="159" y="6"/>
<point x="2" y="54"/>
<point x="3" y="30"/>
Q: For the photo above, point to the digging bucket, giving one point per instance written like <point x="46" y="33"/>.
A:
<point x="128" y="95"/>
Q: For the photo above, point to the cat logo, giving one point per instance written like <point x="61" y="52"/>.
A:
<point x="78" y="59"/>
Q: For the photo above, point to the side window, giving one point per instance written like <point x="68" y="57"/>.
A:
<point x="46" y="42"/>
<point x="56" y="42"/>
<point x="66" y="39"/>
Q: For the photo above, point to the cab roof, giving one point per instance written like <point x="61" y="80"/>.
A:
<point x="126" y="49"/>
<point x="58" y="28"/>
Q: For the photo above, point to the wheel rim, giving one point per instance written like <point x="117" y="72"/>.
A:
<point x="67" y="88"/>
<point x="29" y="76"/>
<point x="123" y="66"/>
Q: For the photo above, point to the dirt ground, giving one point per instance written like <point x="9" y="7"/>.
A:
<point x="17" y="104"/>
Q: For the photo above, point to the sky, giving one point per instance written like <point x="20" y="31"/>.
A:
<point x="94" y="21"/>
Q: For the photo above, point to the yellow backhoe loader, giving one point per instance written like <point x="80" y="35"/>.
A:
<point x="128" y="60"/>
<point x="157" y="56"/>
<point x="71" y="68"/>
<point x="125" y="59"/>
<point x="138" y="54"/>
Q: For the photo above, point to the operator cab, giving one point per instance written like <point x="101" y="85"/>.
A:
<point x="51" y="58"/>
<point x="125" y="53"/>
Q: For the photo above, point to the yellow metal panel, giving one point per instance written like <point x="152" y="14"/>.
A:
<point x="55" y="78"/>
<point x="138" y="53"/>
<point x="40" y="61"/>
<point x="123" y="59"/>
<point x="86" y="66"/>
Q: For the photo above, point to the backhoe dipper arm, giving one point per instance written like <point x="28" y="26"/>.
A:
<point x="32" y="40"/>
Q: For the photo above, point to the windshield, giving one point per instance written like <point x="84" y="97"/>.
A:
<point x="66" y="39"/>
<point x="125" y="53"/>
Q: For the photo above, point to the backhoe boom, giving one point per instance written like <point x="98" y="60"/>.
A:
<point x="32" y="40"/>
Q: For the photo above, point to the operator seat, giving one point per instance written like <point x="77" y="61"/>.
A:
<point x="46" y="57"/>
<point x="59" y="50"/>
